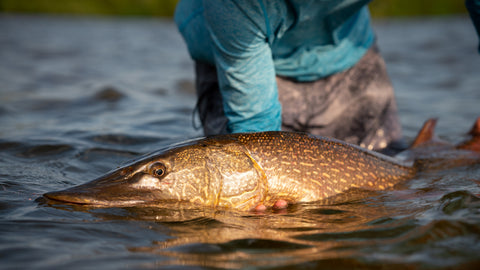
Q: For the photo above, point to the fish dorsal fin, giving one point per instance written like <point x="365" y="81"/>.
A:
<point x="426" y="133"/>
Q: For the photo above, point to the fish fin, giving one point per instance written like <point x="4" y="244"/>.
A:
<point x="473" y="144"/>
<point x="475" y="131"/>
<point x="426" y="133"/>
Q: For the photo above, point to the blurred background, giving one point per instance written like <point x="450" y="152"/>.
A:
<point x="165" y="8"/>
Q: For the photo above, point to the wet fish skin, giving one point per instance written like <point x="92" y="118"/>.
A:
<point x="242" y="171"/>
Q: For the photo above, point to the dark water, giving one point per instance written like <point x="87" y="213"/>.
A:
<point x="79" y="96"/>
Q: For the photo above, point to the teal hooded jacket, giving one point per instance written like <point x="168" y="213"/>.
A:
<point x="251" y="41"/>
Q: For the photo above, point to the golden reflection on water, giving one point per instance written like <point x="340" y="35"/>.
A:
<point x="300" y="234"/>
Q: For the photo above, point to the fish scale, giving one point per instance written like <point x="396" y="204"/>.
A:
<point x="320" y="167"/>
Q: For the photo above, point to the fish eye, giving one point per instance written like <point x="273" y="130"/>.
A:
<point x="159" y="172"/>
<point x="158" y="169"/>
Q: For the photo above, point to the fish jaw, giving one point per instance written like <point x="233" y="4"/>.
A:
<point x="109" y="191"/>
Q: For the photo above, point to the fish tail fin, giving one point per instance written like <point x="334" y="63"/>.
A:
<point x="473" y="144"/>
<point x="475" y="131"/>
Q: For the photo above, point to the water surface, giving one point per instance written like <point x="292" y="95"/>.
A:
<point x="80" y="96"/>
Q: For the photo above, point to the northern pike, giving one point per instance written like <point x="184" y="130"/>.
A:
<point x="245" y="171"/>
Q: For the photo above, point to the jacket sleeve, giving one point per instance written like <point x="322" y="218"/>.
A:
<point x="473" y="7"/>
<point x="244" y="64"/>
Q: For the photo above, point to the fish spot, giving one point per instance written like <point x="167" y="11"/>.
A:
<point x="306" y="164"/>
<point x="340" y="162"/>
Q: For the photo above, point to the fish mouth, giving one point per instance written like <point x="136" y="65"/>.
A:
<point x="61" y="196"/>
<point x="111" y="190"/>
<point x="65" y="196"/>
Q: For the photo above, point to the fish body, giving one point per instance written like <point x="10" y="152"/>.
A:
<point x="242" y="171"/>
<point x="257" y="170"/>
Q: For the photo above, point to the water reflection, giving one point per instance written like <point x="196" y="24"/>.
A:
<point x="343" y="228"/>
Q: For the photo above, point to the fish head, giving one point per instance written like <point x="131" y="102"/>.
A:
<point x="204" y="173"/>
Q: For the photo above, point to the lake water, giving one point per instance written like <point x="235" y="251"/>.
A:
<point x="81" y="95"/>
